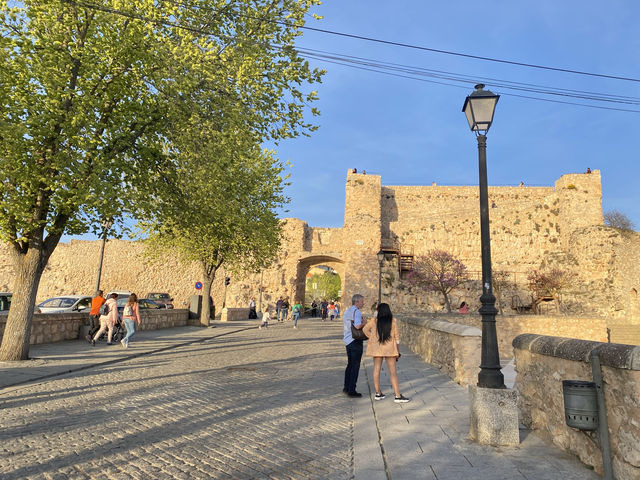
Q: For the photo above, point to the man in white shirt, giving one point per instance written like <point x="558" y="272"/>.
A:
<point x="354" y="347"/>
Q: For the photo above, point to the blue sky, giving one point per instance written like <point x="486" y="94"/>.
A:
<point x="414" y="133"/>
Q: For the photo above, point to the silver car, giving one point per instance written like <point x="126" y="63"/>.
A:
<point x="65" y="304"/>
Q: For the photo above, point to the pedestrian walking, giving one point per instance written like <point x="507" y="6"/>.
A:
<point x="265" y="317"/>
<point x="131" y="315"/>
<point x="332" y="311"/>
<point x="108" y="318"/>
<point x="252" y="309"/>
<point x="314" y="309"/>
<point x="323" y="309"/>
<point x="94" y="314"/>
<point x="284" y="310"/>
<point x="354" y="346"/>
<point x="295" y="313"/>
<point x="383" y="345"/>
<point x="278" y="308"/>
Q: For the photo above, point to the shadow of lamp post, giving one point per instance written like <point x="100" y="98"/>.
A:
<point x="106" y="224"/>
<point x="479" y="108"/>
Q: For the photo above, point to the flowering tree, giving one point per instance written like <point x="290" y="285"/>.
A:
<point x="549" y="283"/>
<point x="438" y="271"/>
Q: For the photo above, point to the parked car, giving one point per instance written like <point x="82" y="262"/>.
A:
<point x="67" y="303"/>
<point x="121" y="294"/>
<point x="5" y="302"/>
<point x="144" y="303"/>
<point x="161" y="298"/>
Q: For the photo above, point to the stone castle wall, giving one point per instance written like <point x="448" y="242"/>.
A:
<point x="530" y="227"/>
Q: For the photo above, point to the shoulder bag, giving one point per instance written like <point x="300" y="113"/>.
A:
<point x="357" y="333"/>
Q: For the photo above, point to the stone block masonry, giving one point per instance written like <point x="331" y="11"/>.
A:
<point x="542" y="362"/>
<point x="559" y="225"/>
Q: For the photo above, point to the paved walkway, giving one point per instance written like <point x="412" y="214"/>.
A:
<point x="237" y="402"/>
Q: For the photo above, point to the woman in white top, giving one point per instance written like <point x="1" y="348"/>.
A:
<point x="107" y="321"/>
<point x="131" y="315"/>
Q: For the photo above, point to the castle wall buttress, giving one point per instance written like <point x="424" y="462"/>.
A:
<point x="361" y="237"/>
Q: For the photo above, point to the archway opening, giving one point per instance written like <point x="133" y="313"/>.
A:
<point x="322" y="283"/>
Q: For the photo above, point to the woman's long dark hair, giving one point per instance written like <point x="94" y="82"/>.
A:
<point x="383" y="323"/>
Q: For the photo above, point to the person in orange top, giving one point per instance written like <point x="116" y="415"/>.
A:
<point x="383" y="344"/>
<point x="94" y="314"/>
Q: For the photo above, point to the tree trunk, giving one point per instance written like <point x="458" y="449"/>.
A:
<point x="207" y="281"/>
<point x="28" y="270"/>
<point x="447" y="303"/>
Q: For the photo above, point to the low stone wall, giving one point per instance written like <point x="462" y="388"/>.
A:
<point x="509" y="327"/>
<point x="57" y="327"/>
<point x="231" y="314"/>
<point x="542" y="362"/>
<point x="453" y="348"/>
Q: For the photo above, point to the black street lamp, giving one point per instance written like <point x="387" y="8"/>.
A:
<point x="479" y="108"/>
<point x="106" y="224"/>
<point x="380" y="260"/>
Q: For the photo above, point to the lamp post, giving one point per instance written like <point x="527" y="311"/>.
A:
<point x="479" y="108"/>
<point x="106" y="224"/>
<point x="380" y="260"/>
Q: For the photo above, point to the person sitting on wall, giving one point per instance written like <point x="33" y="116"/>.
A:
<point x="464" y="308"/>
<point x="588" y="170"/>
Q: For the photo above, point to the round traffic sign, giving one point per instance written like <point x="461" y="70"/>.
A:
<point x="198" y="285"/>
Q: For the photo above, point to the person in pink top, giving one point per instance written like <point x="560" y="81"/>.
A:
<point x="131" y="316"/>
<point x="108" y="321"/>
<point x="383" y="345"/>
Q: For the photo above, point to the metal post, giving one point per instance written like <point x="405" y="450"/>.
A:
<point x="104" y="241"/>
<point x="490" y="375"/>
<point x="603" y="424"/>
<point x="260" y="299"/>
<point x="224" y="299"/>
<point x="379" y="282"/>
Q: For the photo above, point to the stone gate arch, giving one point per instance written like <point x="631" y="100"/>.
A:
<point x="306" y="262"/>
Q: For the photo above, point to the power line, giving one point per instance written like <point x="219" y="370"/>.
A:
<point x="379" y="67"/>
<point x="419" y="47"/>
<point x="473" y="82"/>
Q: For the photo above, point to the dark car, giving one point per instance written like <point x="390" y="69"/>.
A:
<point x="161" y="298"/>
<point x="5" y="302"/>
<point x="144" y="304"/>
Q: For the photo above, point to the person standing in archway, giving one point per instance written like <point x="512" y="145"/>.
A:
<point x="354" y="347"/>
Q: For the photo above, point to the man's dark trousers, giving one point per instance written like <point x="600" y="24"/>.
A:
<point x="354" y="355"/>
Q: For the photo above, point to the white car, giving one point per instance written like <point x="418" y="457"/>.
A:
<point x="65" y="304"/>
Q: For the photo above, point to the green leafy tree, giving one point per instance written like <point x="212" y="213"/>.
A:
<point x="327" y="286"/>
<point x="89" y="99"/>
<point x="222" y="214"/>
<point x="438" y="271"/>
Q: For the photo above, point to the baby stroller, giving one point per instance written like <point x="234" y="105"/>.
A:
<point x="118" y="333"/>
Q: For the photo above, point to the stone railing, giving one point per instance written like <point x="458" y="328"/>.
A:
<point x="454" y="348"/>
<point x="57" y="327"/>
<point x="542" y="362"/>
<point x="231" y="314"/>
<point x="509" y="327"/>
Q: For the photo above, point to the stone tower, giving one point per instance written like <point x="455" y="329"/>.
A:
<point x="361" y="237"/>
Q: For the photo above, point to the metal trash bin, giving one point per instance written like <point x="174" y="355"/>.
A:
<point x="580" y="404"/>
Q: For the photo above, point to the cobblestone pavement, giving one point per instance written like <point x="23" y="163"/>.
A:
<point x="255" y="404"/>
